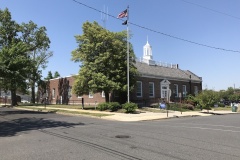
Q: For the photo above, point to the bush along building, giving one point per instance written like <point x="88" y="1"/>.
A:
<point x="156" y="82"/>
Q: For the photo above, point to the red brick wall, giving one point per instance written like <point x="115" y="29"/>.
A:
<point x="144" y="100"/>
<point x="74" y="99"/>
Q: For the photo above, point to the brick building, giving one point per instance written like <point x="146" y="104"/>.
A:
<point x="156" y="81"/>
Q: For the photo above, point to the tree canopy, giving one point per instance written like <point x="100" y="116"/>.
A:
<point x="19" y="62"/>
<point x="38" y="44"/>
<point x="49" y="76"/>
<point x="207" y="98"/>
<point x="56" y="74"/>
<point x="103" y="57"/>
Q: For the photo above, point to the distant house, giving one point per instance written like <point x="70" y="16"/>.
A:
<point x="156" y="82"/>
<point x="5" y="97"/>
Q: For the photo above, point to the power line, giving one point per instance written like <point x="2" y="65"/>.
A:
<point x="168" y="35"/>
<point x="213" y="10"/>
<point x="185" y="40"/>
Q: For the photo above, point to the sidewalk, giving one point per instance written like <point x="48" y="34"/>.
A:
<point x="156" y="116"/>
<point x="146" y="115"/>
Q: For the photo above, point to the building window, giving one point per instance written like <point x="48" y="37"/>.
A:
<point x="184" y="90"/>
<point x="164" y="87"/>
<point x="195" y="90"/>
<point x="139" y="89"/>
<point x="46" y="94"/>
<point x="175" y="90"/>
<point x="90" y="95"/>
<point x="70" y="92"/>
<point x="103" y="94"/>
<point x="151" y="89"/>
<point x="53" y="93"/>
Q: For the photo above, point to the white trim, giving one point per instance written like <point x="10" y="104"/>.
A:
<point x="153" y="93"/>
<point x="137" y="89"/>
<point x="90" y="95"/>
<point x="176" y="87"/>
<point x="103" y="94"/>
<point x="53" y="93"/>
<point x="170" y="78"/>
<point x="164" y="90"/>
<point x="184" y="93"/>
<point x="196" y="90"/>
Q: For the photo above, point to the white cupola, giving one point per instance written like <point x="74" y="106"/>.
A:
<point x="147" y="51"/>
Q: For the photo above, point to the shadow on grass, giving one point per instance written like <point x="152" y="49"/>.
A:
<point x="11" y="128"/>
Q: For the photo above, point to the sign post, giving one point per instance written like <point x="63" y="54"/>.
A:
<point x="82" y="103"/>
<point x="180" y="96"/>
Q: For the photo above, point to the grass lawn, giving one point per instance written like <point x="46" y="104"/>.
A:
<point x="157" y="110"/>
<point x="222" y="108"/>
<point x="42" y="108"/>
<point x="60" y="106"/>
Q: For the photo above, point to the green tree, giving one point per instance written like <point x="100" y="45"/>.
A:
<point x="30" y="46"/>
<point x="230" y="94"/>
<point x="38" y="44"/>
<point x="49" y="76"/>
<point x="234" y="97"/>
<point x="103" y="61"/>
<point x="14" y="60"/>
<point x="207" y="98"/>
<point x="56" y="75"/>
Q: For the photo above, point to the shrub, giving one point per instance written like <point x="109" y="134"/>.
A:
<point x="221" y="105"/>
<point x="188" y="106"/>
<point x="113" y="106"/>
<point x="130" y="107"/>
<point x="102" y="106"/>
<point x="173" y="106"/>
<point x="156" y="106"/>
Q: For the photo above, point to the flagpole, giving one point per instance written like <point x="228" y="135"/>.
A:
<point x="128" y="55"/>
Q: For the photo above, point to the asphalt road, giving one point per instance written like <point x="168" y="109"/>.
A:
<point x="26" y="135"/>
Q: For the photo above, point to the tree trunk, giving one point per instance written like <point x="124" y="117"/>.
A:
<point x="33" y="93"/>
<point x="106" y="96"/>
<point x="14" y="98"/>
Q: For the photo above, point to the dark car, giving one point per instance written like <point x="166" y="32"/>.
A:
<point x="226" y="103"/>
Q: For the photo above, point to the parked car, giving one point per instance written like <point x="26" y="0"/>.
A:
<point x="227" y="102"/>
<point x="25" y="101"/>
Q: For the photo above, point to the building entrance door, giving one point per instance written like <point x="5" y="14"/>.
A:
<point x="165" y="91"/>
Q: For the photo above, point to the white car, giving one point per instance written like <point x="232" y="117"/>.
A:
<point x="25" y="101"/>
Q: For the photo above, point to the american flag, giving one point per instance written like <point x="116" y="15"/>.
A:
<point x="123" y="14"/>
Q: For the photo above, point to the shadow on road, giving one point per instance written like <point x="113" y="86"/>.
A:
<point x="3" y="113"/>
<point x="12" y="127"/>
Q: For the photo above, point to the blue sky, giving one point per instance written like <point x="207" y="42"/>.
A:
<point x="214" y="23"/>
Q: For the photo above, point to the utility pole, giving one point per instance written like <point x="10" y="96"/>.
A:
<point x="104" y="16"/>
